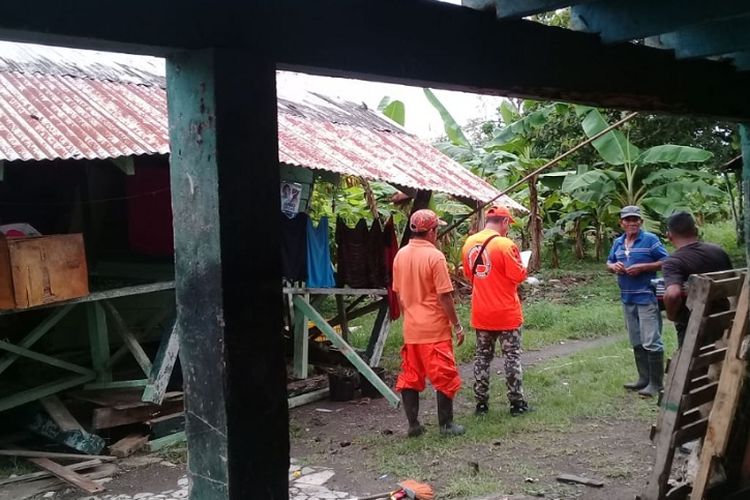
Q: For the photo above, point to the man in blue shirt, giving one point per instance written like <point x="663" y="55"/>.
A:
<point x="635" y="257"/>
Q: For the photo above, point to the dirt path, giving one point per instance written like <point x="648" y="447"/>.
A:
<point x="335" y="434"/>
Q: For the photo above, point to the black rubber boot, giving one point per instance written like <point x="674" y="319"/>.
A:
<point x="445" y="416"/>
<point x="641" y="364"/>
<point x="482" y="409"/>
<point x="655" y="375"/>
<point x="518" y="408"/>
<point x="410" y="400"/>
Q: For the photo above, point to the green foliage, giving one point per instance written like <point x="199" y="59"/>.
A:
<point x="395" y="110"/>
<point x="452" y="128"/>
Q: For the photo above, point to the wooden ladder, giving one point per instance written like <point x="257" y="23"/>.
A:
<point x="693" y="373"/>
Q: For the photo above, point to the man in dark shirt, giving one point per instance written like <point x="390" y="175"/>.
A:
<point x="691" y="257"/>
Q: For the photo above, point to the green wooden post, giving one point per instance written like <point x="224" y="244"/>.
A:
<point x="99" y="340"/>
<point x="301" y="341"/>
<point x="34" y="335"/>
<point x="225" y="188"/>
<point x="348" y="351"/>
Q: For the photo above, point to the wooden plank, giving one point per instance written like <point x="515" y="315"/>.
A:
<point x="43" y="358"/>
<point x="127" y="336"/>
<point x="709" y="358"/>
<point x="67" y="475"/>
<point x="161" y="443"/>
<point x="106" y="418"/>
<point x="77" y="439"/>
<point x="307" y="385"/>
<point x="126" y="291"/>
<point x="59" y="413"/>
<point x="728" y="287"/>
<point x="41" y="391"/>
<point x="341" y="308"/>
<point x="690" y="416"/>
<point x="308" y="397"/>
<point x="166" y="424"/>
<point x="54" y="455"/>
<point x="571" y="478"/>
<point x="128" y="445"/>
<point x="700" y="396"/>
<point x="39" y="487"/>
<point x="42" y="474"/>
<point x="348" y="352"/>
<point x="700" y="381"/>
<point x="99" y="341"/>
<point x="119" y="384"/>
<point x="715" y="326"/>
<point x="35" y="334"/>
<point x="301" y="342"/>
<point x="725" y="405"/>
<point x="656" y="485"/>
<point x="356" y="313"/>
<point x="690" y="432"/>
<point x="379" y="335"/>
<point x="335" y="291"/>
<point x="166" y="358"/>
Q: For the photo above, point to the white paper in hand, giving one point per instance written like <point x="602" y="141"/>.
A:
<point x="525" y="257"/>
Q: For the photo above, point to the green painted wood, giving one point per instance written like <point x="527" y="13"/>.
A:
<point x="308" y="397"/>
<point x="301" y="342"/>
<point x="161" y="443"/>
<point x="34" y="335"/>
<point x="29" y="395"/>
<point x="119" y="384"/>
<point x="102" y="295"/>
<point x="379" y="335"/>
<point x="347" y="351"/>
<point x="127" y="336"/>
<point x="99" y="341"/>
<point x="224" y="168"/>
<point x="43" y="358"/>
<point x="78" y="439"/>
<point x="166" y="357"/>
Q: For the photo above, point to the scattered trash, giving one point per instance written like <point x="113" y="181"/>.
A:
<point x="571" y="478"/>
<point x="530" y="480"/>
<point x="323" y="410"/>
<point x="344" y="444"/>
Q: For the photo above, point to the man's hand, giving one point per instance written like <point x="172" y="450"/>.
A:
<point x="459" y="330"/>
<point x="617" y="267"/>
<point x="637" y="269"/>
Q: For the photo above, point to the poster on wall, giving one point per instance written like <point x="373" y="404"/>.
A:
<point x="291" y="192"/>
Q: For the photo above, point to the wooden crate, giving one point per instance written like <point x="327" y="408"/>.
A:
<point x="41" y="270"/>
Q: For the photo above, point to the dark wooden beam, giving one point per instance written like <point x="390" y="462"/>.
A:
<point x="621" y="20"/>
<point x="745" y="142"/>
<point x="418" y="42"/>
<point x="225" y="176"/>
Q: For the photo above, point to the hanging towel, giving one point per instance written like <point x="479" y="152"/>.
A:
<point x="319" y="267"/>
<point x="294" y="247"/>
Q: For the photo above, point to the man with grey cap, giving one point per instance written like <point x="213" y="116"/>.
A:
<point x="635" y="257"/>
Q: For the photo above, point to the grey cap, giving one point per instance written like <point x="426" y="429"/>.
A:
<point x="630" y="211"/>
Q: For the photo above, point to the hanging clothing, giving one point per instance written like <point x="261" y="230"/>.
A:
<point x="390" y="248"/>
<point x="352" y="254"/>
<point x="294" y="247"/>
<point x="375" y="256"/>
<point x="319" y="267"/>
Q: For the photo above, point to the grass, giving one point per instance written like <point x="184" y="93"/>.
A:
<point x="10" y="466"/>
<point x="586" y="386"/>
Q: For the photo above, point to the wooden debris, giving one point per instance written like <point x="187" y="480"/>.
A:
<point x="128" y="445"/>
<point x="158" y="444"/>
<point x="78" y="439"/>
<point x="59" y="413"/>
<point x="32" y="489"/>
<point x="42" y="474"/>
<point x="67" y="475"/>
<point x="166" y="425"/>
<point x="54" y="455"/>
<point x="571" y="478"/>
<point x="105" y="418"/>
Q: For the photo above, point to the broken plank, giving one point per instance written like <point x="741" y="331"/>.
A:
<point x="78" y="439"/>
<point x="166" y="425"/>
<point x="67" y="475"/>
<point x="309" y="397"/>
<point x="572" y="478"/>
<point x="106" y="418"/>
<point x="128" y="445"/>
<point x="27" y="490"/>
<point x="158" y="444"/>
<point x="55" y="455"/>
<point x="60" y="414"/>
<point x="42" y="474"/>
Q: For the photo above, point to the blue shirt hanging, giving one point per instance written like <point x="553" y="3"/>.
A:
<point x="319" y="267"/>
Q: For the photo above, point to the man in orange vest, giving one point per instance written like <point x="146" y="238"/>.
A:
<point x="492" y="263"/>
<point x="425" y="291"/>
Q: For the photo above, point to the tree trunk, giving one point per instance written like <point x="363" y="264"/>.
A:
<point x="535" y="227"/>
<point x="598" y="242"/>
<point x="579" y="251"/>
<point x="555" y="254"/>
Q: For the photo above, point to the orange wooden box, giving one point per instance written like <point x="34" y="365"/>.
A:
<point x="41" y="270"/>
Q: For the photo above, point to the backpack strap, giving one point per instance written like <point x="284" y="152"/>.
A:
<point x="479" y="259"/>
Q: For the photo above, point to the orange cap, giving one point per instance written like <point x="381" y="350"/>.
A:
<point x="423" y="220"/>
<point x="499" y="211"/>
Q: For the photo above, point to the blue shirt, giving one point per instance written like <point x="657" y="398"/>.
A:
<point x="646" y="248"/>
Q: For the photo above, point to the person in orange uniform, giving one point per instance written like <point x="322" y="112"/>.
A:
<point x="492" y="263"/>
<point x="424" y="288"/>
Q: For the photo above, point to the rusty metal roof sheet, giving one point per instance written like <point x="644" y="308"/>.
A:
<point x="61" y="107"/>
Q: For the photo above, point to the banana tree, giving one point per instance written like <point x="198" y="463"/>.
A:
<point x="640" y="179"/>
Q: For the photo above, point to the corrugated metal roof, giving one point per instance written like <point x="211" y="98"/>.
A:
<point x="62" y="107"/>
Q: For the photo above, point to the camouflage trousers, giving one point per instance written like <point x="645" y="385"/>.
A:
<point x="510" y="346"/>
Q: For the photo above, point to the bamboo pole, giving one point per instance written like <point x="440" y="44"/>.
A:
<point x="538" y="171"/>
